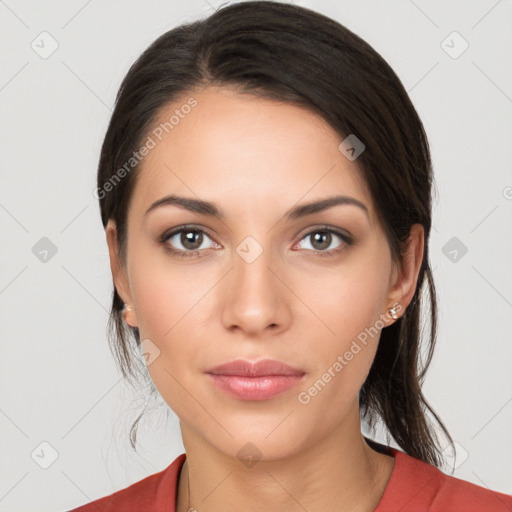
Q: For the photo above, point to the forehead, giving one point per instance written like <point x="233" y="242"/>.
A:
<point x="245" y="150"/>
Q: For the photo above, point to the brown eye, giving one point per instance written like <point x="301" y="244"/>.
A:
<point x="323" y="241"/>
<point x="191" y="240"/>
<point x="187" y="240"/>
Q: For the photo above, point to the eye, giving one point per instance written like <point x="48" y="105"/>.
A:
<point x="187" y="241"/>
<point x="323" y="241"/>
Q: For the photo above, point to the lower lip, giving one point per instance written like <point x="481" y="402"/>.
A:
<point x="255" y="388"/>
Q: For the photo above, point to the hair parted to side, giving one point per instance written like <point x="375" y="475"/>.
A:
<point x="293" y="54"/>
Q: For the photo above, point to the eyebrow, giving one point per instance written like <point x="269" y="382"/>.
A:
<point x="211" y="209"/>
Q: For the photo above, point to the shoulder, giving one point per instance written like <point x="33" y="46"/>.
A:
<point x="155" y="493"/>
<point x="417" y="486"/>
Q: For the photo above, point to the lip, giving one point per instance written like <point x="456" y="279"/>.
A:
<point x="264" y="367"/>
<point x="261" y="380"/>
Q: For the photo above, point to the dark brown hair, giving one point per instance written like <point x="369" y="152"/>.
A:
<point x="293" y="54"/>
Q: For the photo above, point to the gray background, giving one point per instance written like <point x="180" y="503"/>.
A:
<point x="59" y="383"/>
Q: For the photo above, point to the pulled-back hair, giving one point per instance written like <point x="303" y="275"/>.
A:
<point x="293" y="54"/>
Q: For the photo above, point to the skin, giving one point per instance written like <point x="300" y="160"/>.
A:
<point x="256" y="159"/>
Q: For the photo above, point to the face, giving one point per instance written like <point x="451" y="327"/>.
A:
<point x="254" y="280"/>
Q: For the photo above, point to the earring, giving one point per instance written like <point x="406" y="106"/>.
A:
<point x="126" y="308"/>
<point x="393" y="312"/>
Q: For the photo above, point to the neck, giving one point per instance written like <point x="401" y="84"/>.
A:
<point x="339" y="473"/>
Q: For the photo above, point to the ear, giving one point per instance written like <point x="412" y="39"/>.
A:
<point x="403" y="281"/>
<point x="119" y="273"/>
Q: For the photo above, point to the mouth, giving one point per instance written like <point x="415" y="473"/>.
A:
<point x="261" y="380"/>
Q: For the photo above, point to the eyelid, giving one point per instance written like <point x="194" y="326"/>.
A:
<point x="184" y="227"/>
<point x="342" y="233"/>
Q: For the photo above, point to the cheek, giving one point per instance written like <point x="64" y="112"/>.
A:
<point x="165" y="314"/>
<point x="341" y="360"/>
<point x="348" y="301"/>
<point x="166" y="293"/>
<point x="350" y="298"/>
<point x="171" y="304"/>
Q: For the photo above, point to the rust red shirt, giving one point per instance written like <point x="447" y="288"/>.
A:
<point x="414" y="486"/>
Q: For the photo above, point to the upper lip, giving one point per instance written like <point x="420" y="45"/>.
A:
<point x="255" y="369"/>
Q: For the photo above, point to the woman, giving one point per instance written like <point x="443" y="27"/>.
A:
<point x="265" y="187"/>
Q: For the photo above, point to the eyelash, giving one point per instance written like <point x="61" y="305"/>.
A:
<point x="348" y="240"/>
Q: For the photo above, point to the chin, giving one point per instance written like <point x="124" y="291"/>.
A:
<point x="259" y="437"/>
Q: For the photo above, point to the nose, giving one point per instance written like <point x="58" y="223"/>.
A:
<point x="255" y="298"/>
